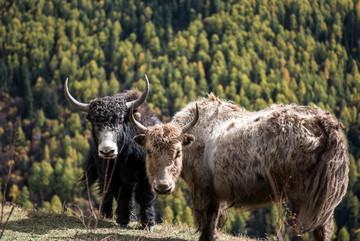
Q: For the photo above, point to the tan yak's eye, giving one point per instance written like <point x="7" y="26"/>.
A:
<point x="177" y="154"/>
<point x="148" y="152"/>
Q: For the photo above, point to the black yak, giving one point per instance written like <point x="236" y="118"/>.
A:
<point x="228" y="155"/>
<point x="114" y="155"/>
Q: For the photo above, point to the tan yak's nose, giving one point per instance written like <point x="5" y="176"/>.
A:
<point x="163" y="186"/>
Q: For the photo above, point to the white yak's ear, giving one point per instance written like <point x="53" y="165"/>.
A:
<point x="140" y="140"/>
<point x="188" y="139"/>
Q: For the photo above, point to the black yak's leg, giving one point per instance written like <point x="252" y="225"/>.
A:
<point x="124" y="205"/>
<point x="106" y="208"/>
<point x="324" y="232"/>
<point x="207" y="219"/>
<point x="146" y="199"/>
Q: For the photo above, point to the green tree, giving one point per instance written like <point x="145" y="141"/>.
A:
<point x="27" y="93"/>
<point x="114" y="85"/>
<point x="190" y="87"/>
<point x="80" y="143"/>
<point x="220" y="92"/>
<point x="66" y="149"/>
<point x="104" y="88"/>
<point x="275" y="219"/>
<point x="187" y="216"/>
<point x="75" y="123"/>
<point x="67" y="181"/>
<point x="41" y="179"/>
<point x="40" y="118"/>
<point x="168" y="214"/>
<point x="343" y="235"/>
<point x="47" y="206"/>
<point x="46" y="155"/>
<point x="149" y="33"/>
<point x="353" y="172"/>
<point x="345" y="116"/>
<point x="13" y="192"/>
<point x="55" y="204"/>
<point x="23" y="198"/>
<point x="20" y="138"/>
<point x="231" y="90"/>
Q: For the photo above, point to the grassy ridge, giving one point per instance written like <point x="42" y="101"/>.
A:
<point x="40" y="225"/>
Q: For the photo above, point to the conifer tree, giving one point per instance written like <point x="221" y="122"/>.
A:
<point x="14" y="192"/>
<point x="67" y="182"/>
<point x="40" y="118"/>
<point x="343" y="234"/>
<point x="188" y="216"/>
<point x="168" y="214"/>
<point x="66" y="146"/>
<point x="26" y="88"/>
<point x="55" y="204"/>
<point x="75" y="123"/>
<point x="23" y="198"/>
<point x="41" y="179"/>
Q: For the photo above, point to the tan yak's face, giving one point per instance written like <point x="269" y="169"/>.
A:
<point x="164" y="145"/>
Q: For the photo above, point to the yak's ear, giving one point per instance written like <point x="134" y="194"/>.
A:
<point x="188" y="139"/>
<point x="137" y="115"/>
<point x="140" y="140"/>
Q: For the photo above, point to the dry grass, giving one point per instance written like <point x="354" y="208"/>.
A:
<point x="41" y="225"/>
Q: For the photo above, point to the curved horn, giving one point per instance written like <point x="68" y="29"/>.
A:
<point x="142" y="97"/>
<point x="77" y="105"/>
<point x="134" y="122"/>
<point x="193" y="122"/>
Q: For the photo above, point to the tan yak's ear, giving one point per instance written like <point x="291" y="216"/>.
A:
<point x="140" y="140"/>
<point x="137" y="115"/>
<point x="188" y="139"/>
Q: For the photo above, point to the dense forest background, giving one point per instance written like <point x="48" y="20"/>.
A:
<point x="253" y="52"/>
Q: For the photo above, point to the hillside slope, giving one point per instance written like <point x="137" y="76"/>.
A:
<point x="42" y="225"/>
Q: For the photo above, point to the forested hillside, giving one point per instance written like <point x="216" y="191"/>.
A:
<point x="254" y="52"/>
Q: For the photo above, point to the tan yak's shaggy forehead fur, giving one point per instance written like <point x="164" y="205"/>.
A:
<point x="163" y="137"/>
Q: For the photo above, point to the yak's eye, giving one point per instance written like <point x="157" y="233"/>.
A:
<point x="148" y="152"/>
<point x="177" y="154"/>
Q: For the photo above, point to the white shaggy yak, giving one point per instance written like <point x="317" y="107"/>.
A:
<point x="230" y="156"/>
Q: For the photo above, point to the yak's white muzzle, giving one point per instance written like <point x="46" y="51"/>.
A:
<point x="107" y="148"/>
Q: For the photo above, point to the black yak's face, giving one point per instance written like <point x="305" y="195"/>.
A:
<point x="107" y="116"/>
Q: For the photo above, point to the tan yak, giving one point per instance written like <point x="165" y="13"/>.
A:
<point x="230" y="156"/>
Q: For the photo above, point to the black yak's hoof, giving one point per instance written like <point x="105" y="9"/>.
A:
<point x="133" y="217"/>
<point x="123" y="225"/>
<point x="149" y="228"/>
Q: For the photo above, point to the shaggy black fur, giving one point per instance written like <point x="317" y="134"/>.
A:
<point x="129" y="175"/>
